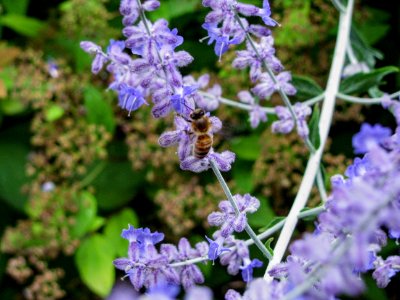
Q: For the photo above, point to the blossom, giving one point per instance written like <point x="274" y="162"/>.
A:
<point x="229" y="219"/>
<point x="267" y="86"/>
<point x="257" y="115"/>
<point x="266" y="14"/>
<point x="250" y="58"/>
<point x="247" y="268"/>
<point x="130" y="98"/>
<point x="385" y="270"/>
<point x="198" y="292"/>
<point x="285" y="124"/>
<point x="369" y="137"/>
<point x="216" y="248"/>
<point x="222" y="160"/>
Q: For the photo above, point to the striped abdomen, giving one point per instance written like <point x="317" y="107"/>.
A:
<point x="202" y="145"/>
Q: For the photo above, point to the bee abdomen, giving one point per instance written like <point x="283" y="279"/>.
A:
<point x="202" y="146"/>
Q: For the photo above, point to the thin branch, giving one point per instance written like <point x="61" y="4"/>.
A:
<point x="324" y="125"/>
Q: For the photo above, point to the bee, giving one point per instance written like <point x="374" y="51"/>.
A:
<point x="201" y="128"/>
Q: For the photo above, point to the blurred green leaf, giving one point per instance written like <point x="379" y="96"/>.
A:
<point x="314" y="127"/>
<point x="306" y="87"/>
<point x="98" y="110"/>
<point x="376" y="26"/>
<point x="11" y="107"/>
<point x="262" y="216"/>
<point x="362" y="82"/>
<point x="53" y="113"/>
<point x="363" y="51"/>
<point x="267" y="244"/>
<point x="13" y="156"/>
<point x="247" y="147"/>
<point x="23" y="25"/>
<point x="114" y="227"/>
<point x="116" y="185"/>
<point x="18" y="7"/>
<point x="87" y="211"/>
<point x="273" y="222"/>
<point x="173" y="8"/>
<point x="242" y="176"/>
<point x="94" y="262"/>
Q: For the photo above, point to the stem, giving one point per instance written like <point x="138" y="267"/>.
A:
<point x="324" y="125"/>
<point x="268" y="110"/>
<point x="339" y="6"/>
<point x="364" y="100"/>
<point x="321" y="186"/>
<point x="228" y="194"/>
<point x="93" y="174"/>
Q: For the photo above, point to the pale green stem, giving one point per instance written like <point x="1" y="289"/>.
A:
<point x="339" y="6"/>
<point x="88" y="179"/>
<point x="228" y="194"/>
<point x="325" y="121"/>
<point x="365" y="100"/>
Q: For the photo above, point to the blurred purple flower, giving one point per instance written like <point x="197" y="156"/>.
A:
<point x="369" y="137"/>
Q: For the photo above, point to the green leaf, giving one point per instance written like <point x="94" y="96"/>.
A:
<point x="13" y="157"/>
<point x="94" y="262"/>
<point x="114" y="227"/>
<point x="314" y="127"/>
<point x="306" y="87"/>
<point x="98" y="111"/>
<point x="116" y="184"/>
<point x="173" y="9"/>
<point x="262" y="216"/>
<point x="272" y="223"/>
<point x="12" y="107"/>
<point x="242" y="176"/>
<point x="362" y="82"/>
<point x="18" y="7"/>
<point x="86" y="214"/>
<point x="26" y="26"/>
<point x="53" y="112"/>
<point x="267" y="244"/>
<point x="363" y="51"/>
<point x="247" y="147"/>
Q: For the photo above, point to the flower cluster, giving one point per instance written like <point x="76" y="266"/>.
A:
<point x="147" y="267"/>
<point x="349" y="233"/>
<point x="285" y="124"/>
<point x="154" y="72"/>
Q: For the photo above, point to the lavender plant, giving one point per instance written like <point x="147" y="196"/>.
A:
<point x="354" y="221"/>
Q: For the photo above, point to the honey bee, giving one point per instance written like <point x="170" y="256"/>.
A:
<point x="201" y="128"/>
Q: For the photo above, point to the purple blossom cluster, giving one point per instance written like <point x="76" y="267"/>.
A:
<point x="150" y="268"/>
<point x="362" y="212"/>
<point x="285" y="124"/>
<point x="171" y="266"/>
<point x="153" y="71"/>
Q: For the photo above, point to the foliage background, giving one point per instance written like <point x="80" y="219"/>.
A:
<point x="75" y="169"/>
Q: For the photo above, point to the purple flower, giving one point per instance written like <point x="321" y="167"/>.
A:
<point x="285" y="124"/>
<point x="254" y="60"/>
<point x="131" y="10"/>
<point x="198" y="292"/>
<point x="179" y="102"/>
<point x="267" y="87"/>
<point x="227" y="218"/>
<point x="234" y="258"/>
<point x="257" y="115"/>
<point x="266" y="14"/>
<point x="223" y="161"/>
<point x="216" y="248"/>
<point x="247" y="268"/>
<point x="130" y="98"/>
<point x="369" y="137"/>
<point x="386" y="269"/>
